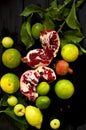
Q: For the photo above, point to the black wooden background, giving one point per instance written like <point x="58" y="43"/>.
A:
<point x="73" y="118"/>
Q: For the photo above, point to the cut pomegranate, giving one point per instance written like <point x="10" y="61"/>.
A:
<point x="28" y="81"/>
<point x="36" y="58"/>
<point x="50" y="42"/>
<point x="46" y="73"/>
<point x="43" y="57"/>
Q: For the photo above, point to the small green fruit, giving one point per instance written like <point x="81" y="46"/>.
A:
<point x="55" y="123"/>
<point x="12" y="100"/>
<point x="43" y="102"/>
<point x="36" y="28"/>
<point x="11" y="58"/>
<point x="7" y="42"/>
<point x="19" y="110"/>
<point x="64" y="89"/>
<point x="43" y="88"/>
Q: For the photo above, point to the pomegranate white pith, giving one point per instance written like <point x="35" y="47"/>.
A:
<point x="39" y="59"/>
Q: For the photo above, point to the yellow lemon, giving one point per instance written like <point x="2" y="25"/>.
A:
<point x="34" y="116"/>
<point x="70" y="52"/>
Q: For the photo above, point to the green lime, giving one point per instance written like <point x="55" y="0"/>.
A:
<point x="12" y="100"/>
<point x="7" y="42"/>
<point x="10" y="83"/>
<point x="36" y="28"/>
<point x="43" y="88"/>
<point x="64" y="89"/>
<point x="11" y="58"/>
<point x="70" y="52"/>
<point x="43" y="102"/>
<point x="55" y="123"/>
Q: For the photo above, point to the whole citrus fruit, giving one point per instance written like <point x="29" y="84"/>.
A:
<point x="12" y="100"/>
<point x="55" y="123"/>
<point x="11" y="58"/>
<point x="36" y="28"/>
<point x="70" y="52"/>
<point x="19" y="110"/>
<point x="64" y="89"/>
<point x="7" y="42"/>
<point x="43" y="88"/>
<point x="10" y="83"/>
<point x="34" y="116"/>
<point x="43" y="102"/>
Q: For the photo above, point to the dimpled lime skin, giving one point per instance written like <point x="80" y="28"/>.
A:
<point x="7" y="42"/>
<point x="12" y="100"/>
<point x="43" y="88"/>
<point x="43" y="102"/>
<point x="70" y="52"/>
<point x="11" y="58"/>
<point x="36" y="28"/>
<point x="64" y="89"/>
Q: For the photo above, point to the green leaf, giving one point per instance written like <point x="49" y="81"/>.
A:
<point x="28" y="26"/>
<point x="58" y="12"/>
<point x="19" y="121"/>
<point x="3" y="100"/>
<point x="71" y="19"/>
<point x="54" y="4"/>
<point x="79" y="3"/>
<point x="25" y="37"/>
<point x="30" y="9"/>
<point x="73" y="36"/>
<point x="48" y="23"/>
<point x="63" y="42"/>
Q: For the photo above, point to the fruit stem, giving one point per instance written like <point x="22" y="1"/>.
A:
<point x="69" y="70"/>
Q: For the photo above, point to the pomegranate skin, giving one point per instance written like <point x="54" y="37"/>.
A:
<point x="62" y="67"/>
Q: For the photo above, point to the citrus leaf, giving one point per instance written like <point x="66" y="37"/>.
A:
<point x="79" y="3"/>
<point x="25" y="37"/>
<point x="71" y="19"/>
<point x="30" y="9"/>
<point x="20" y="121"/>
<point x="48" y="23"/>
<point x="3" y="100"/>
<point x="58" y="12"/>
<point x="28" y="26"/>
<point x="73" y="36"/>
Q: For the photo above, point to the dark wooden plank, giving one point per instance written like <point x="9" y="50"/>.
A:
<point x="10" y="20"/>
<point x="41" y="3"/>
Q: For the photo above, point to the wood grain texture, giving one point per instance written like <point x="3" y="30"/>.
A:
<point x="10" y="24"/>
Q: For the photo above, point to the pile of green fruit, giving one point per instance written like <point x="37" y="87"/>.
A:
<point x="63" y="19"/>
